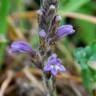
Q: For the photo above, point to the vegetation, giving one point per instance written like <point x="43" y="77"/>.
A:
<point x="19" y="22"/>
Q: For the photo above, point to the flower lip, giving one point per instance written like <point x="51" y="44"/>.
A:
<point x="54" y="69"/>
<point x="54" y="65"/>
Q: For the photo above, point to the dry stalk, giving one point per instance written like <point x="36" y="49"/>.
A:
<point x="81" y="16"/>
<point x="5" y="84"/>
<point x="15" y="30"/>
<point x="74" y="15"/>
<point x="33" y="79"/>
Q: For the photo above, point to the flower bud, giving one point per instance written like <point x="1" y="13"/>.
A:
<point x="64" y="30"/>
<point x="42" y="33"/>
<point x="58" y="18"/>
<point x="55" y="20"/>
<point x="39" y="12"/>
<point x="52" y="7"/>
<point x="22" y="47"/>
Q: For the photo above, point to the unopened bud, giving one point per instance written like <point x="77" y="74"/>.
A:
<point x="42" y="33"/>
<point x="39" y="12"/>
<point x="64" y="30"/>
<point x="22" y="47"/>
<point x="58" y="18"/>
<point x="52" y="7"/>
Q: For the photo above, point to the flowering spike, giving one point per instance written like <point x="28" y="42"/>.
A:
<point x="64" y="30"/>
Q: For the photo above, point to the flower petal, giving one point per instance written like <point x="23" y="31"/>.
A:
<point x="47" y="68"/>
<point x="53" y="56"/>
<point x="54" y="60"/>
<point x="62" y="68"/>
<point x="58" y="61"/>
<point x="54" y="71"/>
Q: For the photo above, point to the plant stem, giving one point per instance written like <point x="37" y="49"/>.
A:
<point x="45" y="86"/>
<point x="51" y="86"/>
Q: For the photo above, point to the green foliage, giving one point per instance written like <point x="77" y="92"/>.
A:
<point x="86" y="57"/>
<point x="85" y="31"/>
<point x="71" y="5"/>
<point x="4" y="10"/>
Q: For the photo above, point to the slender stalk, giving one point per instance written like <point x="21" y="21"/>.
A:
<point x="47" y="93"/>
<point x="50" y="83"/>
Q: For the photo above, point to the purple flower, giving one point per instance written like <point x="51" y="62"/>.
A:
<point x="22" y="47"/>
<point x="42" y="33"/>
<point x="64" y="30"/>
<point x="54" y="65"/>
